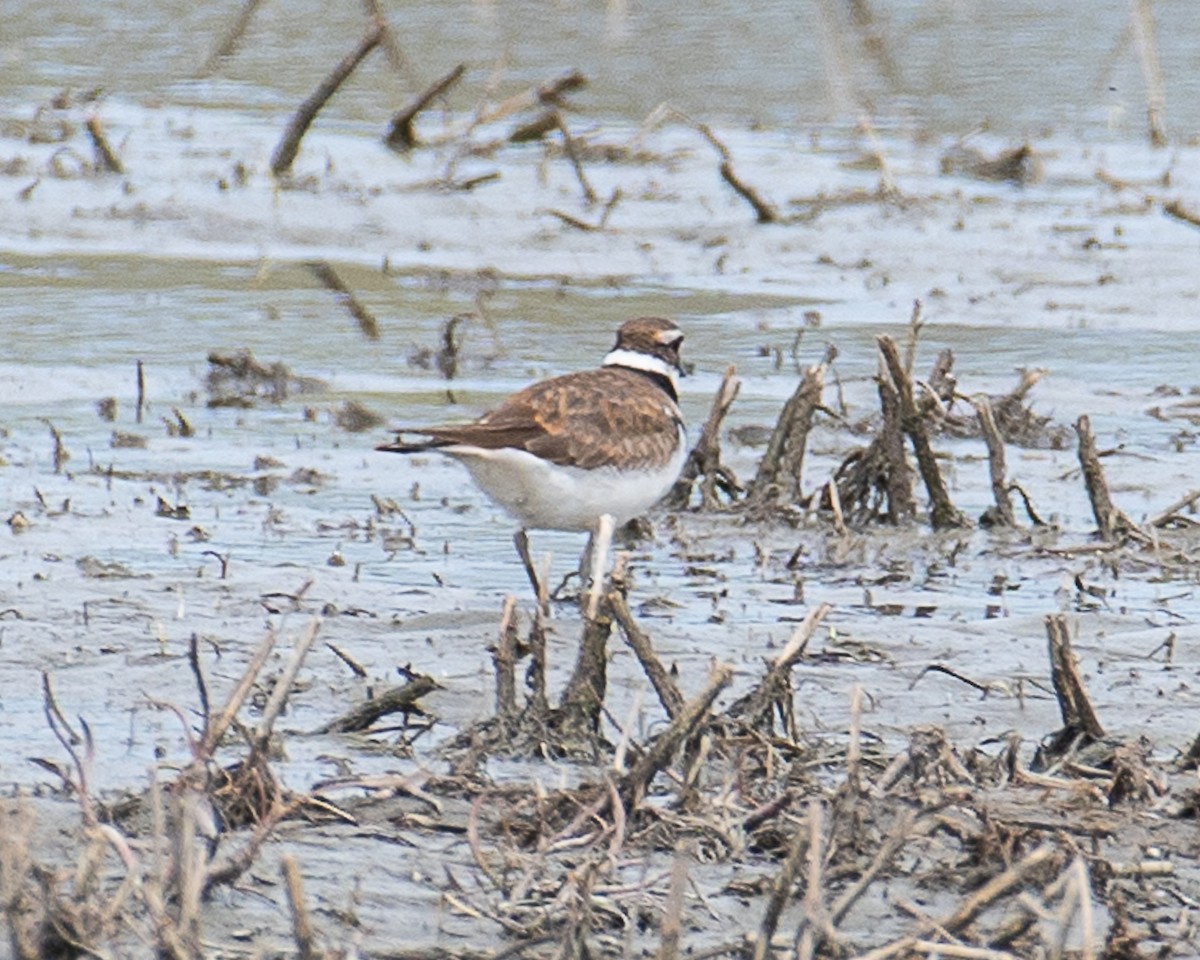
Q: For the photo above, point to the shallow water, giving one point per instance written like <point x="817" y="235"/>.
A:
<point x="944" y="65"/>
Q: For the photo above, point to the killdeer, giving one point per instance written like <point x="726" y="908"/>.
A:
<point x="584" y="451"/>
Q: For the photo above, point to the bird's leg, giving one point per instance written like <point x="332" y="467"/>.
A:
<point x="599" y="543"/>
<point x="521" y="542"/>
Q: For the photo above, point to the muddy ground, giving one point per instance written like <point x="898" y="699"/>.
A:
<point x="900" y="787"/>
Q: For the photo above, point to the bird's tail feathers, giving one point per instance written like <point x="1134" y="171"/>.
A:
<point x="400" y="445"/>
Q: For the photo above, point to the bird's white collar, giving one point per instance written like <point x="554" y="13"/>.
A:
<point x="641" y="361"/>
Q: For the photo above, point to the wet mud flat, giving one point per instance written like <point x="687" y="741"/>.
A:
<point x="906" y="670"/>
<point x="282" y="709"/>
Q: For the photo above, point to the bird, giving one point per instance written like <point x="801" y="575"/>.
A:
<point x="585" y="451"/>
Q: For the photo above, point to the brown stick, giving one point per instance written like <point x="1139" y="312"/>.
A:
<point x="672" y="921"/>
<point x="1164" y="517"/>
<point x="966" y="912"/>
<point x="572" y="221"/>
<point x="61" y="456"/>
<point x="401" y="699"/>
<point x="189" y="867"/>
<point x="668" y="694"/>
<point x="283" y="684"/>
<point x="901" y="504"/>
<point x="233" y="36"/>
<point x="51" y="706"/>
<point x="1073" y="703"/>
<point x="911" y="337"/>
<point x="781" y="890"/>
<point x="535" y="676"/>
<point x="105" y="156"/>
<point x="549" y="93"/>
<point x="1177" y="210"/>
<point x="289" y="145"/>
<point x="943" y="513"/>
<point x="1112" y="522"/>
<point x="764" y="211"/>
<point x="969" y="909"/>
<point x="814" y="929"/>
<point x="1142" y="22"/>
<point x="504" y="657"/>
<point x="901" y="835"/>
<point x="633" y="785"/>
<point x="583" y="698"/>
<point x="141" y="390"/>
<point x="330" y="280"/>
<point x="779" y="480"/>
<point x="302" y="930"/>
<point x="589" y="194"/>
<point x="356" y="668"/>
<point x="401" y="136"/>
<point x="754" y="708"/>
<point x="198" y="674"/>
<point x="215" y="730"/>
<point x="1003" y="515"/>
<point x="704" y="460"/>
<point x="391" y="46"/>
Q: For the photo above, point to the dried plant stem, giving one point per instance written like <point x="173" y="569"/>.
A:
<point x="901" y="505"/>
<point x="141" y="391"/>
<point x="672" y="921"/>
<point x="189" y="869"/>
<point x="1163" y="517"/>
<point x="583" y="698"/>
<point x="401" y="699"/>
<point x="549" y="93"/>
<point x="233" y="36"/>
<point x="943" y="513"/>
<point x="216" y="728"/>
<point x="1147" y="48"/>
<point x="535" y="676"/>
<point x="52" y="708"/>
<point x="854" y="741"/>
<point x="61" y="456"/>
<point x="815" y="928"/>
<point x="704" y="460"/>
<point x="1001" y="884"/>
<point x="901" y="835"/>
<point x="504" y="659"/>
<point x="332" y="281"/>
<point x="634" y="784"/>
<point x="911" y="337"/>
<point x="289" y="145"/>
<point x="778" y="480"/>
<point x="668" y="693"/>
<point x="774" y="690"/>
<point x="391" y="46"/>
<point x="107" y="160"/>
<point x="283" y="685"/>
<point x="1073" y="702"/>
<point x="401" y="134"/>
<point x="781" y="889"/>
<point x="1003" y="514"/>
<point x="1113" y="523"/>
<point x="764" y="210"/>
<point x="1082" y="886"/>
<point x="302" y="929"/>
<point x="589" y="195"/>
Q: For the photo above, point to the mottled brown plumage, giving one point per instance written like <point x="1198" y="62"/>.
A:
<point x="562" y="453"/>
<point x="611" y="417"/>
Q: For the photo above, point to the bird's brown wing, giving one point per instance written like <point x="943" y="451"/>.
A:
<point x="592" y="419"/>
